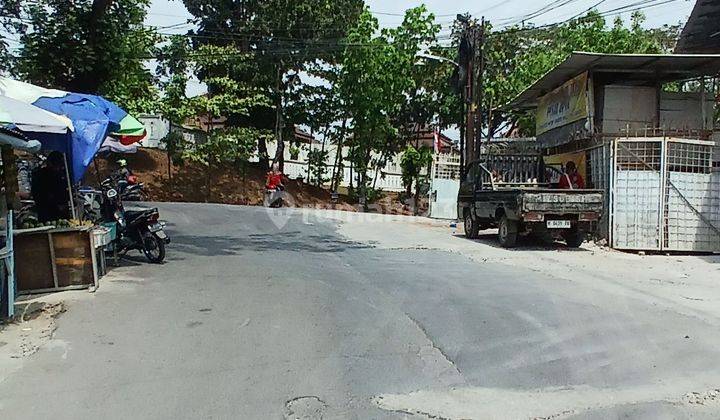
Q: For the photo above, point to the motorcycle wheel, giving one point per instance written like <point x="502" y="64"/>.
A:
<point x="153" y="248"/>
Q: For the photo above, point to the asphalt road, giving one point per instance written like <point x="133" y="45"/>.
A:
<point x="248" y="321"/>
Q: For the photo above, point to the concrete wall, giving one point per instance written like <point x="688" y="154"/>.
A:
<point x="636" y="108"/>
<point x="633" y="107"/>
<point x="389" y="178"/>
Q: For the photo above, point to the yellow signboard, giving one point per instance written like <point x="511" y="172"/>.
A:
<point x="564" y="105"/>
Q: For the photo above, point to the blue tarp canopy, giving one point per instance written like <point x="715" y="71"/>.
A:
<point x="92" y="123"/>
<point x="93" y="118"/>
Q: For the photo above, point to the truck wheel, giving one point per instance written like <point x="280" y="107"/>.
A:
<point x="507" y="232"/>
<point x="471" y="226"/>
<point x="574" y="238"/>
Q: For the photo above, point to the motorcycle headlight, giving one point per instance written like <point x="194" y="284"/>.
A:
<point x="111" y="193"/>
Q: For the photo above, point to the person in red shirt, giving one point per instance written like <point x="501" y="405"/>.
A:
<point x="274" y="178"/>
<point x="571" y="179"/>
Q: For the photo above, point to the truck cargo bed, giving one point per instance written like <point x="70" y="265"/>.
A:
<point x="561" y="201"/>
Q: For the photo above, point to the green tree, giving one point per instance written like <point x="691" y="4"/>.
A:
<point x="91" y="46"/>
<point x="412" y="163"/>
<point x="226" y="96"/>
<point x="317" y="166"/>
<point x="375" y="82"/>
<point x="284" y="36"/>
<point x="224" y="148"/>
<point x="173" y="71"/>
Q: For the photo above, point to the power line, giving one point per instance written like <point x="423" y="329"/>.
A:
<point x="539" y="12"/>
<point x="634" y="7"/>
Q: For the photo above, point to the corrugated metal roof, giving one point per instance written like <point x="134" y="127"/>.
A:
<point x="628" y="67"/>
<point x="701" y="34"/>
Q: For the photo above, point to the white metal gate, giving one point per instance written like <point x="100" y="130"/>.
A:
<point x="445" y="183"/>
<point x="664" y="195"/>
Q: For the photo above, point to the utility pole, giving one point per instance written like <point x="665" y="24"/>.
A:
<point x="469" y="96"/>
<point x="479" y="88"/>
<point x="462" y="87"/>
<point x="472" y="96"/>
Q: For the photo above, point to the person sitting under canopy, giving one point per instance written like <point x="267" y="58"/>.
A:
<point x="49" y="189"/>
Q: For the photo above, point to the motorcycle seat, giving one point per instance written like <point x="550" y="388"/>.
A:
<point x="134" y="214"/>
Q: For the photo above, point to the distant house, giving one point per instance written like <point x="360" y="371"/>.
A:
<point x="204" y="123"/>
<point x="426" y="136"/>
<point x="157" y="127"/>
<point x="303" y="137"/>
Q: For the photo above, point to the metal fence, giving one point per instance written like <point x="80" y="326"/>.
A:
<point x="664" y="195"/>
<point x="598" y="174"/>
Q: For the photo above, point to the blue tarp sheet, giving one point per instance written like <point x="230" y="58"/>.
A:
<point x="94" y="119"/>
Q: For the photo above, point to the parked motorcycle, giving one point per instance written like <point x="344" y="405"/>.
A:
<point x="128" y="186"/>
<point x="139" y="230"/>
<point x="133" y="192"/>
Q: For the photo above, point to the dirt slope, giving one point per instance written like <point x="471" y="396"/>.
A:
<point x="189" y="183"/>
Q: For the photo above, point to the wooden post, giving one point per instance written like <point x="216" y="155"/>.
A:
<point x="69" y="185"/>
<point x="53" y="262"/>
<point x="9" y="264"/>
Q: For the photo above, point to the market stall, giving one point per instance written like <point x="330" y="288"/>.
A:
<point x="53" y="249"/>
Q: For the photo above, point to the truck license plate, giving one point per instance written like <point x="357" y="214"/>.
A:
<point x="558" y="224"/>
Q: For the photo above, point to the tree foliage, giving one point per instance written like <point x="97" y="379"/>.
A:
<point x="317" y="166"/>
<point x="229" y="145"/>
<point x="174" y="70"/>
<point x="92" y="46"/>
<point x="284" y="37"/>
<point x="412" y="163"/>
<point x="379" y="85"/>
<point x="232" y="146"/>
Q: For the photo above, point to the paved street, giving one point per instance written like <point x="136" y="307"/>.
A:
<point x="374" y="318"/>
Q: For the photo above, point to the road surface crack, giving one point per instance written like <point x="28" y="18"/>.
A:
<point x="439" y="349"/>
